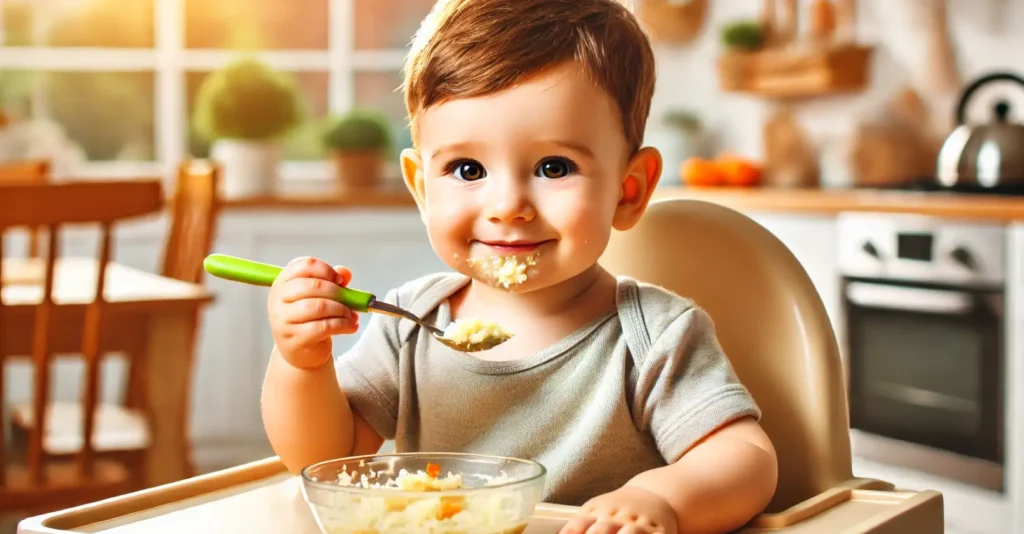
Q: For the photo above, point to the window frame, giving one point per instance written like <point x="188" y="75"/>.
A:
<point x="170" y="61"/>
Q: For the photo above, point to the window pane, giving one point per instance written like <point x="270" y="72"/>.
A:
<point x="383" y="24"/>
<point x="99" y="23"/>
<point x="108" y="115"/>
<point x="382" y="91"/>
<point x="256" y="24"/>
<point x="304" y="143"/>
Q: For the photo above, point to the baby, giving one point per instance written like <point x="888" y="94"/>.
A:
<point x="527" y="120"/>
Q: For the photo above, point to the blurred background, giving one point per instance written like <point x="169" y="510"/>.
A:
<point x="878" y="140"/>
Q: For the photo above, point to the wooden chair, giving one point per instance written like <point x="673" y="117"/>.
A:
<point x="30" y="479"/>
<point x="773" y="326"/>
<point x="27" y="172"/>
<point x="194" y="213"/>
<point x="122" y="430"/>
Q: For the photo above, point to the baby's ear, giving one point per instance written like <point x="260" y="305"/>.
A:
<point x="412" y="174"/>
<point x="642" y="174"/>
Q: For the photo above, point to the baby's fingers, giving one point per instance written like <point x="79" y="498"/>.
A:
<point x="578" y="525"/>
<point x="307" y="288"/>
<point x="315" y="309"/>
<point x="344" y="275"/>
<point x="322" y="328"/>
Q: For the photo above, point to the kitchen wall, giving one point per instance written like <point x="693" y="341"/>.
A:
<point x="983" y="36"/>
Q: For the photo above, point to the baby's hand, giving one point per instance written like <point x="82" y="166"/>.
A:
<point x="628" y="510"/>
<point x="303" y="313"/>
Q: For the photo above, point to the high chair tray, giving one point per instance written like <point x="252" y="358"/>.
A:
<point x="262" y="498"/>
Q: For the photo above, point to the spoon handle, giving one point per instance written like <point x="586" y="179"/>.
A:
<point x="264" y="274"/>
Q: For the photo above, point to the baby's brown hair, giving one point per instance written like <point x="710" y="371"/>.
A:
<point x="468" y="48"/>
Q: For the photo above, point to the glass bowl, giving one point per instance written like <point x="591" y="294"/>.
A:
<point x="362" y="494"/>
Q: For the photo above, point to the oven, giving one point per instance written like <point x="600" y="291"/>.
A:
<point x="924" y="340"/>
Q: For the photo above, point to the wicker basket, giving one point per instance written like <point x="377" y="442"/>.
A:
<point x="796" y="73"/>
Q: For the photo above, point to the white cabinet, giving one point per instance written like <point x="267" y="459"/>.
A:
<point x="812" y="239"/>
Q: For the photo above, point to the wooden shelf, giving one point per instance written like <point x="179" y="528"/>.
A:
<point x="793" y="72"/>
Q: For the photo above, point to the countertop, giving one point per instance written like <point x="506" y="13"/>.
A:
<point x="808" y="201"/>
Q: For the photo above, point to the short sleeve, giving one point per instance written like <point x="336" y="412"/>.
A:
<point x="687" y="387"/>
<point x="368" y="372"/>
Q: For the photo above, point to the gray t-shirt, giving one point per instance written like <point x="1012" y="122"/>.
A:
<point x="629" y="392"/>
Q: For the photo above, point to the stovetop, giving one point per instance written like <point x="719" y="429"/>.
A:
<point x="931" y="185"/>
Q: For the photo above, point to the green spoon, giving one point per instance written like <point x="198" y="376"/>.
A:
<point x="264" y="274"/>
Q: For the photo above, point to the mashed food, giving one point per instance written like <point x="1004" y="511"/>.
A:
<point x="493" y="512"/>
<point x="505" y="271"/>
<point x="476" y="332"/>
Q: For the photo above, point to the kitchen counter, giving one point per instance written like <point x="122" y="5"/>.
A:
<point x="807" y="201"/>
<point x="832" y="201"/>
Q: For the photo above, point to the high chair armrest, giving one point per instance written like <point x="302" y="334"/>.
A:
<point x="861" y="506"/>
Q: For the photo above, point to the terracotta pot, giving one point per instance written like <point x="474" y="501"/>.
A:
<point x="359" y="168"/>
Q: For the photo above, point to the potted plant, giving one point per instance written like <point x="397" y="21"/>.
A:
<point x="359" y="142"/>
<point x="245" y="109"/>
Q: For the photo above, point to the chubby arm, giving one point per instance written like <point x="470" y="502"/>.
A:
<point x="719" y="484"/>
<point x="306" y="414"/>
<point x="308" y="419"/>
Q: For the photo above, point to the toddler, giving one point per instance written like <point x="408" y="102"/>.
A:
<point x="527" y="120"/>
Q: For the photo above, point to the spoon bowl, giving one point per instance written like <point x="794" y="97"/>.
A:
<point x="264" y="274"/>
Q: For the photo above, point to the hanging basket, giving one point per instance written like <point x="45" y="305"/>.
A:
<point x="672" y="21"/>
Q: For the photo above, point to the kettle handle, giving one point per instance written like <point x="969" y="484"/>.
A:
<point x="965" y="98"/>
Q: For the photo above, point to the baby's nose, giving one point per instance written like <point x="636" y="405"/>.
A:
<point x="510" y="201"/>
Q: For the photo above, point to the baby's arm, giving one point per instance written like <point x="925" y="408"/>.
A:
<point x="721" y="483"/>
<point x="306" y="414"/>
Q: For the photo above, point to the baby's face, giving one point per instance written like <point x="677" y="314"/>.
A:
<point x="534" y="173"/>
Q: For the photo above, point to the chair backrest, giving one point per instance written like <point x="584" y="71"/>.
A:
<point x="52" y="207"/>
<point x="194" y="213"/>
<point x="770" y="321"/>
<point x="27" y="172"/>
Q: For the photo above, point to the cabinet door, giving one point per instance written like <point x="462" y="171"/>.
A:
<point x="1015" y="375"/>
<point x="812" y="239"/>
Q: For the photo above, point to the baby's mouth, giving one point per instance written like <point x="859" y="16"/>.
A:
<point x="506" y="265"/>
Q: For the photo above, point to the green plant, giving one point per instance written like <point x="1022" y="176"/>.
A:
<point x="744" y="35"/>
<point x="247" y="100"/>
<point x="686" y="121"/>
<point x="359" y="130"/>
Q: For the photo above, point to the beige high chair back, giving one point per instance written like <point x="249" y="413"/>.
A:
<point x="770" y="321"/>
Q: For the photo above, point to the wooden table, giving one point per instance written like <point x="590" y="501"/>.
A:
<point x="151" y="316"/>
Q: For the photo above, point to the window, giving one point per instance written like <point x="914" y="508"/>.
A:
<point x="108" y="86"/>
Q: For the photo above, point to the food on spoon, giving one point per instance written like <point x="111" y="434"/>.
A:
<point x="505" y="271"/>
<point x="475" y="332"/>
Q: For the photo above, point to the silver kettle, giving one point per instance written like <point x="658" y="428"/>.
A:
<point x="985" y="157"/>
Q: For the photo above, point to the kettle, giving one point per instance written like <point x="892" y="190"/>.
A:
<point x="986" y="157"/>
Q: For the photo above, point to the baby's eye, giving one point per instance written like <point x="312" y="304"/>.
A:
<point x="556" y="168"/>
<point x="466" y="170"/>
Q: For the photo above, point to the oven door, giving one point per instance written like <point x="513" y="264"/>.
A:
<point x="925" y="378"/>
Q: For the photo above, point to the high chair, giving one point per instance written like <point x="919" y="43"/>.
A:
<point x="773" y="326"/>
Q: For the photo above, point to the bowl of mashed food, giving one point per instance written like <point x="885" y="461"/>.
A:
<point x="428" y="493"/>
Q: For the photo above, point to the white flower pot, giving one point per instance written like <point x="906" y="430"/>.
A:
<point x="249" y="168"/>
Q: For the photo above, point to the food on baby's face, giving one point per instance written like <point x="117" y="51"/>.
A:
<point x="475" y="332"/>
<point x="504" y="271"/>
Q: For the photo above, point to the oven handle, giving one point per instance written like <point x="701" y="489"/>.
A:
<point x="917" y="299"/>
